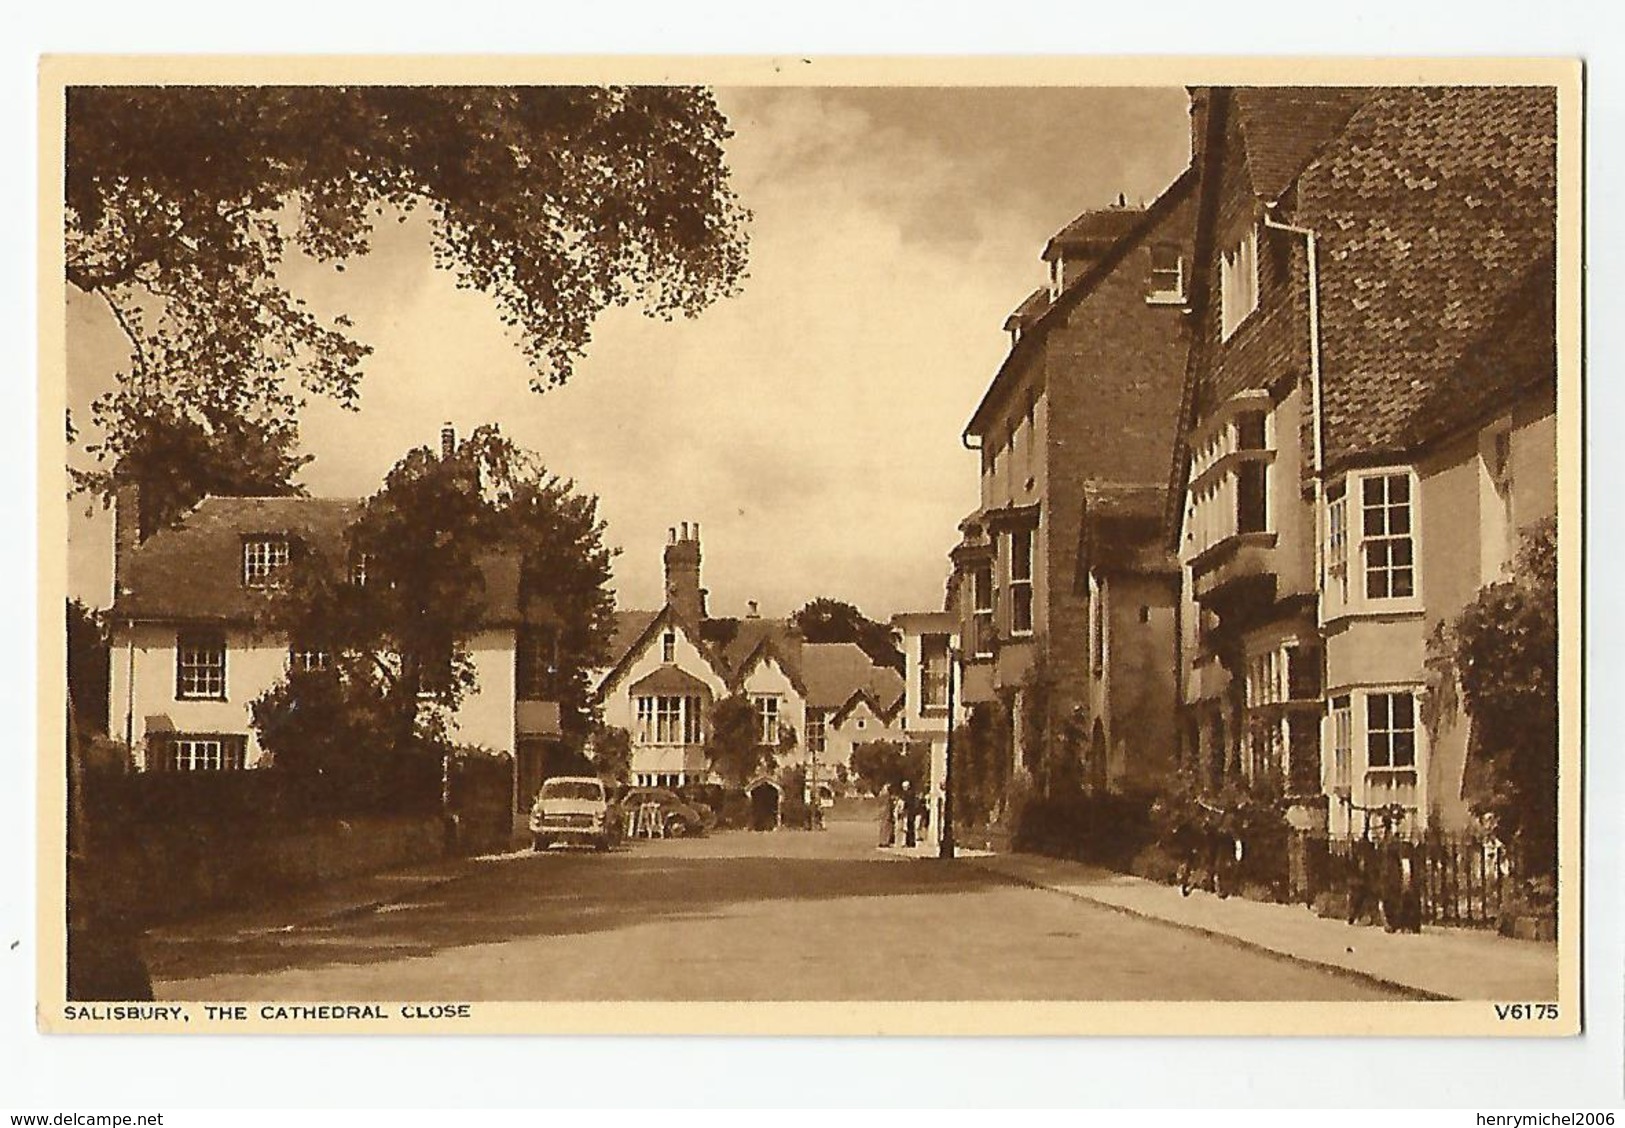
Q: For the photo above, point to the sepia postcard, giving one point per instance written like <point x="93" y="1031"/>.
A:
<point x="810" y="546"/>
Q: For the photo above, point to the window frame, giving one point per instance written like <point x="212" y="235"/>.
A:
<point x="1166" y="295"/>
<point x="769" y="719"/>
<point x="668" y="646"/>
<point x="307" y="659"/>
<point x="817" y="730"/>
<point x="190" y="675"/>
<point x="1238" y="284"/>
<point x="983" y="614"/>
<point x="231" y="752"/>
<point x="1346" y="547"/>
<point x="260" y="568"/>
<point x="1021" y="585"/>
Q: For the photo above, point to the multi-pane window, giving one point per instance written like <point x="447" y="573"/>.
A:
<point x="669" y="719"/>
<point x="358" y="569"/>
<point x="982" y="610"/>
<point x="817" y="730"/>
<point x="263" y="558"/>
<point x="1167" y="273"/>
<point x="1390" y="568"/>
<point x="933" y="672"/>
<point x="1390" y="731"/>
<point x="1021" y="581"/>
<point x="1337" y="544"/>
<point x="1238" y="284"/>
<point x="200" y="666"/>
<point x="307" y="658"/>
<point x="767" y="719"/>
<point x="205" y="753"/>
<point x="1342" y="781"/>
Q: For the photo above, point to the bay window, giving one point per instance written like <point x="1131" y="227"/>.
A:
<point x="1370" y="535"/>
<point x="669" y="719"/>
<point x="982" y="611"/>
<point x="1230" y="479"/>
<point x="1390" y="742"/>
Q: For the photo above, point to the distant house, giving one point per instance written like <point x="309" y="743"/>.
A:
<point x="1368" y="421"/>
<point x="670" y="667"/>
<point x="1086" y="400"/>
<point x="188" y="655"/>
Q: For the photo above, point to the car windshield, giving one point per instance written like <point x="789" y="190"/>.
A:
<point x="572" y="789"/>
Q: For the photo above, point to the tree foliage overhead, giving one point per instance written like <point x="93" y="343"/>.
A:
<point x="834" y="620"/>
<point x="887" y="763"/>
<point x="182" y="203"/>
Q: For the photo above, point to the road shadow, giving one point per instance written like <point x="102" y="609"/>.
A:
<point x="558" y="895"/>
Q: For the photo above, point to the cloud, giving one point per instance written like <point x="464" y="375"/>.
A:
<point x="811" y="424"/>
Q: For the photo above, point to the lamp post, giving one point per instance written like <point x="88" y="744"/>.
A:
<point x="945" y="833"/>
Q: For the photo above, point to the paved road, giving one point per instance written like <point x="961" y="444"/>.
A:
<point x="737" y="916"/>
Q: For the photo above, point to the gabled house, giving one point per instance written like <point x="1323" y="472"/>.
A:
<point x="670" y="668"/>
<point x="189" y="654"/>
<point x="1088" y="395"/>
<point x="1370" y="399"/>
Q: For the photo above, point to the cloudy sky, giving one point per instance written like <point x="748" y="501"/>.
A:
<point x="810" y="425"/>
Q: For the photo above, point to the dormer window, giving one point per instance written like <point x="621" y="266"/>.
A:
<point x="1167" y="282"/>
<point x="1238" y="284"/>
<point x="263" y="558"/>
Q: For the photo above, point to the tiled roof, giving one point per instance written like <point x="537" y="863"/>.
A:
<point x="1030" y="310"/>
<point x="833" y="671"/>
<point x="1432" y="207"/>
<point x="629" y="627"/>
<point x="1100" y="225"/>
<point x="1121" y="531"/>
<point x="1516" y="352"/>
<point x="1284" y="127"/>
<point x="670" y="680"/>
<point x="194" y="568"/>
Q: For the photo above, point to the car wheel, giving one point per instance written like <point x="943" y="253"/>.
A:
<point x="676" y="828"/>
<point x="540" y="842"/>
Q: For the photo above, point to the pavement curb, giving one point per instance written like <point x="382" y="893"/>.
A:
<point x="1421" y="994"/>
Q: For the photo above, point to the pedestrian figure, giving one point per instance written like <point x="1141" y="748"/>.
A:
<point x="1402" y="894"/>
<point x="911" y="812"/>
<point x="1362" y="863"/>
<point x="888" y="823"/>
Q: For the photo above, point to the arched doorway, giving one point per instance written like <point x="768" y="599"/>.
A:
<point x="765" y="796"/>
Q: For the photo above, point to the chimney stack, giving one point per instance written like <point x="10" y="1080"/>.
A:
<point x="448" y="441"/>
<point x="683" y="592"/>
<point x="126" y="531"/>
<point x="753" y="611"/>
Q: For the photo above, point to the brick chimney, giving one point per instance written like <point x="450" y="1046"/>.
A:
<point x="1201" y="106"/>
<point x="126" y="531"/>
<point x="683" y="592"/>
<point x="448" y="441"/>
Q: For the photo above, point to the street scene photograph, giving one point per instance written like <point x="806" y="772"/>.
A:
<point x="762" y="541"/>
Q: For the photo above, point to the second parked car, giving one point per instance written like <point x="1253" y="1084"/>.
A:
<point x="677" y="818"/>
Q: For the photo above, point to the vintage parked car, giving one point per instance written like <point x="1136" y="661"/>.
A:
<point x="574" y="809"/>
<point x="679" y="819"/>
